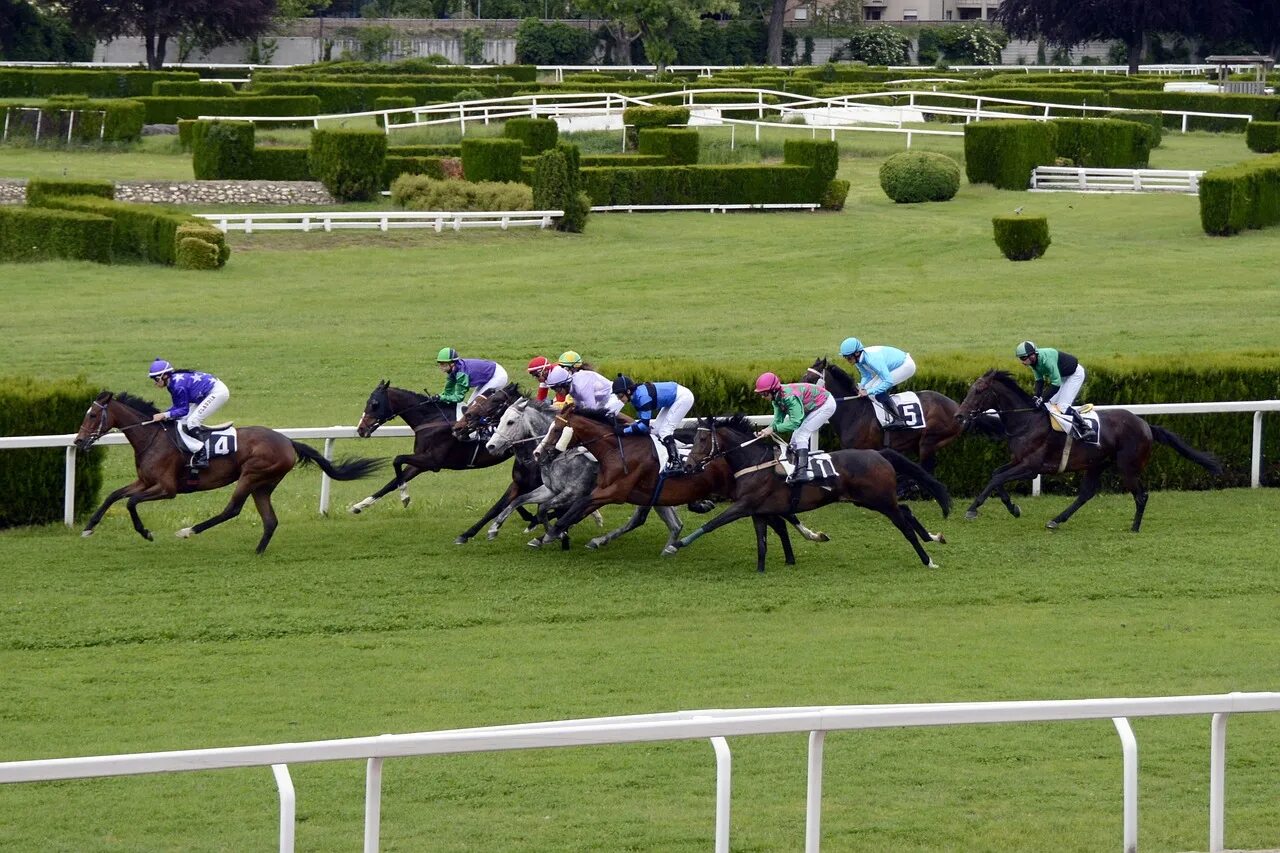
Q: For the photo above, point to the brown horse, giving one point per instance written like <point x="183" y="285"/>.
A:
<point x="1125" y="442"/>
<point x="866" y="478"/>
<point x="262" y="458"/>
<point x="631" y="473"/>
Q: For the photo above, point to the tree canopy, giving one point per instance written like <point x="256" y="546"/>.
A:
<point x="32" y="34"/>
<point x="656" y="21"/>
<point x="207" y="23"/>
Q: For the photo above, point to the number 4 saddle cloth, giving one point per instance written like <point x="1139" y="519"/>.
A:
<point x="221" y="440"/>
<point x="908" y="403"/>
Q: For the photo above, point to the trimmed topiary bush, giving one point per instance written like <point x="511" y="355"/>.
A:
<point x="1004" y="152"/>
<point x="196" y="254"/>
<point x="537" y="134"/>
<point x="394" y="102"/>
<point x="143" y="232"/>
<point x="492" y="159"/>
<point x="557" y="186"/>
<point x="38" y="189"/>
<point x="1263" y="136"/>
<point x="281" y="163"/>
<point x="205" y="233"/>
<point x="636" y="118"/>
<point x="36" y="234"/>
<point x="677" y="147"/>
<point x="837" y="192"/>
<point x="419" y="192"/>
<point x="1103" y="143"/>
<point x="1246" y="195"/>
<point x="193" y="88"/>
<point x="350" y="163"/>
<point x="915" y="176"/>
<point x="1021" y="238"/>
<point x="222" y="150"/>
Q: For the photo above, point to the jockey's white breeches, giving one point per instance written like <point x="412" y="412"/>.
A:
<point x="903" y="371"/>
<point x="498" y="380"/>
<point x="1066" y="395"/>
<point x="200" y="412"/>
<point x="812" y="423"/>
<point x="669" y="418"/>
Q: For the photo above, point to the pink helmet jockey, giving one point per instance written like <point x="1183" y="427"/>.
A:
<point x="159" y="367"/>
<point x="767" y="383"/>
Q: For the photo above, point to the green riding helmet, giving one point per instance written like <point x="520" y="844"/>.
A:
<point x="446" y="355"/>
<point x="1026" y="349"/>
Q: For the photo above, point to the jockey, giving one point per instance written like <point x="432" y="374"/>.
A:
<point x="474" y="375"/>
<point x="538" y="368"/>
<point x="1064" y="374"/>
<point x="800" y="409"/>
<point x="196" y="396"/>
<point x="589" y="389"/>
<point x="572" y="362"/>
<point x="664" y="403"/>
<point x="882" y="367"/>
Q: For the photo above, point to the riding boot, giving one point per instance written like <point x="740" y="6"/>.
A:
<point x="199" y="433"/>
<point x="802" y="474"/>
<point x="199" y="459"/>
<point x="1084" y="431"/>
<point x="895" y="419"/>
<point x="675" y="465"/>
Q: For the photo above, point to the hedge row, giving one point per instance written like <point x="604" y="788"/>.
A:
<point x="394" y="102"/>
<point x="1263" y="136"/>
<point x="222" y="150"/>
<point x="39" y="189"/>
<point x="1004" y="152"/>
<point x="624" y="160"/>
<point x="1246" y="195"/>
<point x="735" y="184"/>
<point x="967" y="465"/>
<point x="32" y="480"/>
<point x="557" y="185"/>
<point x="416" y="67"/>
<point x="1104" y="143"/>
<point x="142" y="232"/>
<point x="124" y="119"/>
<point x="676" y="146"/>
<point x="33" y="234"/>
<point x="354" y="98"/>
<point x="348" y="162"/>
<point x="637" y="118"/>
<point x="537" y="134"/>
<point x="193" y="88"/>
<point x="168" y="110"/>
<point x="492" y="159"/>
<point x="41" y="82"/>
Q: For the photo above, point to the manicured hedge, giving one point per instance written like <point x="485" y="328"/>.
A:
<point x="395" y="166"/>
<point x="1246" y="195"/>
<point x="636" y="118"/>
<point x="142" y="232"/>
<point x="349" y="163"/>
<point x="425" y="150"/>
<point x="557" y="185"/>
<point x="735" y="184"/>
<point x="1021" y="238"/>
<point x="624" y="160"/>
<point x="168" y="110"/>
<point x="1004" y="152"/>
<point x="124" y="118"/>
<point x="32" y="480"/>
<point x="491" y="159"/>
<point x="417" y="67"/>
<point x="361" y="97"/>
<point x="1263" y="136"/>
<point x="36" y="234"/>
<point x="537" y="134"/>
<point x="918" y="176"/>
<point x="38" y="189"/>
<point x="1261" y="107"/>
<point x="41" y="82"/>
<point x="821" y="156"/>
<point x="222" y="150"/>
<point x="193" y="88"/>
<point x="1155" y="121"/>
<point x="394" y="102"/>
<point x="836" y="193"/>
<point x="200" y="247"/>
<point x="281" y="164"/>
<point x="1103" y="143"/>
<point x="676" y="146"/>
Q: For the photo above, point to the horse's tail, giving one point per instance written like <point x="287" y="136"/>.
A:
<point x="987" y="425"/>
<point x="1201" y="458"/>
<point x="352" y="469"/>
<point x="905" y="467"/>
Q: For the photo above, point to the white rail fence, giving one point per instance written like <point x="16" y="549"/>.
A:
<point x="382" y="220"/>
<point x="684" y="725"/>
<point x="1090" y="180"/>
<point x="332" y="434"/>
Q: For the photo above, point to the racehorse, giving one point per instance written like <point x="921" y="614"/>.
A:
<point x="1125" y="441"/>
<point x="867" y="478"/>
<point x="435" y="448"/>
<point x="630" y="472"/>
<point x="262" y="458"/>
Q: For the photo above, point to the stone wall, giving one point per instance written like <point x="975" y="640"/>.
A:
<point x="200" y="192"/>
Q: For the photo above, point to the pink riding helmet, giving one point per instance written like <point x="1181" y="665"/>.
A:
<point x="767" y="383"/>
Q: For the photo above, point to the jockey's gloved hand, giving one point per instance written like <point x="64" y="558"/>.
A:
<point x="619" y="428"/>
<point x="1037" y="402"/>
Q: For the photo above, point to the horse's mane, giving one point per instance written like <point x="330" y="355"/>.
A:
<point x="737" y="423"/>
<point x="840" y="375"/>
<point x="1006" y="379"/>
<point x="603" y="416"/>
<point x="145" y="407"/>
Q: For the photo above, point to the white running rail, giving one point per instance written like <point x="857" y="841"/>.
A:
<point x="382" y="220"/>
<point x="1092" y="180"/>
<point x="684" y="725"/>
<point x="331" y="434"/>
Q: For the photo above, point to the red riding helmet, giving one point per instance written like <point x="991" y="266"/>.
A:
<point x="539" y="366"/>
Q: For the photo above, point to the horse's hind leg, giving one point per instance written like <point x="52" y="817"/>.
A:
<point x="1013" y="508"/>
<point x="811" y="535"/>
<point x="238" y="497"/>
<point x="762" y="541"/>
<point x="780" y="527"/>
<point x="119" y="493"/>
<point x="1132" y="479"/>
<point x="1088" y="488"/>
<point x="899" y="519"/>
<point x="262" y="500"/>
<point x="637" y="518"/>
<point x="398" y="481"/>
<point x="920" y="529"/>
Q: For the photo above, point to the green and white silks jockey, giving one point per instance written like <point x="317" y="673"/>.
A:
<point x="467" y="378"/>
<point x="1059" y="376"/>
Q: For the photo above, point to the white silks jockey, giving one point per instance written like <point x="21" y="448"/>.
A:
<point x="195" y="397"/>
<point x="589" y="389"/>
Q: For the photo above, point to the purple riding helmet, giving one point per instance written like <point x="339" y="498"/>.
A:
<point x="159" y="367"/>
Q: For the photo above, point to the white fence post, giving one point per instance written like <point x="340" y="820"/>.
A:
<point x="372" y="804"/>
<point x="813" y="799"/>
<point x="325" y="482"/>
<point x="1255" y="455"/>
<point x="1217" y="780"/>
<point x="288" y="806"/>
<point x="69" y="488"/>
<point x="1129" y="746"/>
<point x="724" y="787"/>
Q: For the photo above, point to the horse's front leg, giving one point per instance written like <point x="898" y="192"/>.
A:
<point x="511" y="493"/>
<point x="637" y="518"/>
<point x="762" y="541"/>
<point x="811" y="535"/>
<point x="154" y="492"/>
<point x="123" y="491"/>
<point x="403" y="474"/>
<point x="1011" y="471"/>
<point x="537" y="496"/>
<point x="732" y="513"/>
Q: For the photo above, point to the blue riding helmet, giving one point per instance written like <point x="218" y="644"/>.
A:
<point x="159" y="367"/>
<point x="850" y="347"/>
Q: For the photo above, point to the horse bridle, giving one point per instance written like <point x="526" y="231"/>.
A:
<point x="378" y="422"/>
<point x="101" y="429"/>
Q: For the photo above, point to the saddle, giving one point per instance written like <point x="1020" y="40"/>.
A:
<point x="1060" y="421"/>
<point x="820" y="465"/>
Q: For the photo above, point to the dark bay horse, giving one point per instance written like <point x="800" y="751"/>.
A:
<point x="629" y="473"/>
<point x="1036" y="448"/>
<point x="867" y="478"/>
<point x="436" y="447"/>
<point x="262" y="458"/>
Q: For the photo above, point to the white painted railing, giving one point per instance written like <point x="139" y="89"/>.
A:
<point x="331" y="434"/>
<point x="709" y="208"/>
<point x="382" y="220"/>
<point x="1087" y="179"/>
<point x="684" y="725"/>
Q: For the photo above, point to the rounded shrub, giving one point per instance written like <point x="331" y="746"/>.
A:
<point x="915" y="176"/>
<point x="837" y="192"/>
<point x="1263" y="136"/>
<point x="196" y="254"/>
<point x="348" y="162"/>
<point x="1021" y="238"/>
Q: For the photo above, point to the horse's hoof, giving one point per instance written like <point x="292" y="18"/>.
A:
<point x="1051" y="525"/>
<point x="595" y="543"/>
<point x="86" y="533"/>
<point x="148" y="535"/>
<point x="932" y="565"/>
<point x="971" y="514"/>
<point x="404" y="501"/>
<point x="531" y="528"/>
<point x="939" y="538"/>
<point x="822" y="537"/>
<point x="491" y="535"/>
<point x="1015" y="510"/>
<point x="461" y="540"/>
<point x="184" y="533"/>
<point x="355" y="510"/>
<point x="535" y="543"/>
<point x="670" y="551"/>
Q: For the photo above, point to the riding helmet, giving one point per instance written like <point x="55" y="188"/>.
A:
<point x="850" y="347"/>
<point x="558" y="376"/>
<point x="623" y="384"/>
<point x="570" y="358"/>
<point x="538" y="364"/>
<point x="1026" y="349"/>
<point x="446" y="355"/>
<point x="767" y="383"/>
<point x="160" y="367"/>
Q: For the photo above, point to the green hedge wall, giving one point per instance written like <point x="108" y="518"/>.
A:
<point x="281" y="164"/>
<point x="966" y="466"/>
<point x="396" y="166"/>
<point x="38" y="189"/>
<point x="36" y="234"/>
<point x="624" y="160"/>
<point x="557" y="185"/>
<point x="1155" y="121"/>
<point x="821" y="156"/>
<point x="32" y="480"/>
<point x="143" y="232"/>
<point x="640" y="117"/>
<point x="124" y="118"/>
<point x="537" y="134"/>
<point x="350" y="163"/>
<point x="1246" y="195"/>
<point x="193" y="88"/>
<point x="1104" y="143"/>
<point x="360" y="97"/>
<point x="735" y="184"/>
<point x="676" y="146"/>
<point x="168" y="110"/>
<point x="425" y="150"/>
<point x="41" y="82"/>
<point x="1261" y="107"/>
<point x="222" y="150"/>
<point x="1004" y="152"/>
<point x="394" y="102"/>
<point x="492" y="159"/>
<point x="1263" y="136"/>
<point x="416" y="67"/>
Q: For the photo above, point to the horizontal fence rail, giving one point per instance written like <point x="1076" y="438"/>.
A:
<point x="1085" y="180"/>
<point x="716" y="725"/>
<point x="330" y="434"/>
<point x="382" y="220"/>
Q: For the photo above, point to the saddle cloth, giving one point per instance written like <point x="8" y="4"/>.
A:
<point x="908" y="403"/>
<point x="1063" y="423"/>
<point x="820" y="465"/>
<point x="661" y="449"/>
<point x="222" y="441"/>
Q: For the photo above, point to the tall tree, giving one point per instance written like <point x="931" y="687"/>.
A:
<point x="1259" y="25"/>
<point x="39" y="35"/>
<point x="656" y="21"/>
<point x="1071" y="22"/>
<point x="208" y="23"/>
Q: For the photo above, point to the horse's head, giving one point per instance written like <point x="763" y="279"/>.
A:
<point x="377" y="411"/>
<point x="484" y="410"/>
<point x="995" y="389"/>
<point x="816" y="372"/>
<point x="559" y="437"/>
<point x="706" y="445"/>
<point x="512" y="426"/>
<point x="97" y="422"/>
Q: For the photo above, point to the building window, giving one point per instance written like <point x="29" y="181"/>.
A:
<point x="802" y="14"/>
<point x="872" y="13"/>
<point x="910" y="15"/>
<point x="967" y="14"/>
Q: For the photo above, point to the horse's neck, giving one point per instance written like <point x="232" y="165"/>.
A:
<point x="141" y="439"/>
<point x="839" y="382"/>
<point x="411" y="409"/>
<point x="744" y="454"/>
